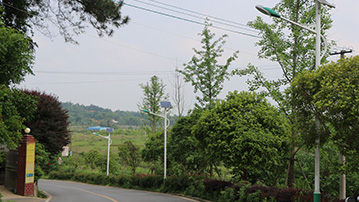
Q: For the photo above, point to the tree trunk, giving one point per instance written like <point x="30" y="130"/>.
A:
<point x="290" y="182"/>
<point x="245" y="175"/>
<point x="342" y="189"/>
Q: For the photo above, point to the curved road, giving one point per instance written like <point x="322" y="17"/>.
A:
<point x="61" y="191"/>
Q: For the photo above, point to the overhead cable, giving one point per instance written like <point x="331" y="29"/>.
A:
<point x="218" y="20"/>
<point x="188" y="20"/>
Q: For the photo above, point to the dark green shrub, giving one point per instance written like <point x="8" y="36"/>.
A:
<point x="213" y="185"/>
<point x="178" y="183"/>
<point x="151" y="182"/>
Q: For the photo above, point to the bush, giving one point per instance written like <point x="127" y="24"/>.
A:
<point x="213" y="185"/>
<point x="178" y="184"/>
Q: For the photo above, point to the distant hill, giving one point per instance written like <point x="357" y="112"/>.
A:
<point x="81" y="115"/>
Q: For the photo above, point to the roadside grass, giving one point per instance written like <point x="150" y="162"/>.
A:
<point x="85" y="141"/>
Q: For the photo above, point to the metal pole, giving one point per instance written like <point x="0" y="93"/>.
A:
<point x="108" y="154"/>
<point x="165" y="146"/>
<point x="342" y="178"/>
<point x="317" y="150"/>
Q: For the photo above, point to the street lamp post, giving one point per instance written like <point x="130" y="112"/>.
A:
<point x="109" y="142"/>
<point x="165" y="105"/>
<point x="318" y="57"/>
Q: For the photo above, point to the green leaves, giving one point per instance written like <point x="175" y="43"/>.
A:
<point x="330" y="94"/>
<point x="15" y="108"/>
<point x="130" y="155"/>
<point x="204" y="72"/>
<point x="153" y="92"/>
<point x="246" y="132"/>
<point x="70" y="17"/>
<point x="16" y="56"/>
<point x="50" y="122"/>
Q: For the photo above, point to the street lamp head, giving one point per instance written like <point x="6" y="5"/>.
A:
<point x="324" y="2"/>
<point x="267" y="11"/>
<point x="145" y="110"/>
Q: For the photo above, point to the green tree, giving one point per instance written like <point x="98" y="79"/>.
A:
<point x="16" y="58"/>
<point x="204" y="71"/>
<point x="70" y="17"/>
<point x="185" y="149"/>
<point x="153" y="92"/>
<point x="41" y="161"/>
<point x="75" y="161"/>
<point x="50" y="123"/>
<point x="294" y="50"/>
<point x="247" y="133"/>
<point x="15" y="108"/>
<point x="94" y="159"/>
<point x="153" y="151"/>
<point x="329" y="94"/>
<point x="130" y="155"/>
<point x="114" y="165"/>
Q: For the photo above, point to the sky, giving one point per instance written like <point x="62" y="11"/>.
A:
<point x="108" y="71"/>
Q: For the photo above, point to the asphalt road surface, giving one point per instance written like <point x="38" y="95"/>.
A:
<point x="65" y="191"/>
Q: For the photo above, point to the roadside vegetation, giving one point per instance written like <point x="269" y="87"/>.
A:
<point x="239" y="148"/>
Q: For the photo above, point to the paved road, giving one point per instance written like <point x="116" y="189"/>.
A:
<point x="78" y="192"/>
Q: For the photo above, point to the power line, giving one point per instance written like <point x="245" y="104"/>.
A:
<point x="191" y="21"/>
<point x="186" y="37"/>
<point x="225" y="22"/>
<point x="211" y="16"/>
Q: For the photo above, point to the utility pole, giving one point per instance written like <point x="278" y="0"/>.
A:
<point x="341" y="52"/>
<point x="342" y="178"/>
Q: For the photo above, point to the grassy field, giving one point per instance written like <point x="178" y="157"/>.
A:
<point x="84" y="140"/>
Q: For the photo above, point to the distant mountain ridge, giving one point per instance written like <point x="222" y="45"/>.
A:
<point x="81" y="115"/>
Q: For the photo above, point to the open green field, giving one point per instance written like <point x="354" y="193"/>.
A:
<point x="84" y="140"/>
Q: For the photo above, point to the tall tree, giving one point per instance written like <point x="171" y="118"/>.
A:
<point x="294" y="50"/>
<point x="247" y="133"/>
<point x="50" y="123"/>
<point x="94" y="159"/>
<point x="153" y="152"/>
<point x="330" y="94"/>
<point x="15" y="108"/>
<point x="70" y="17"/>
<point x="178" y="95"/>
<point x="153" y="92"/>
<point x="16" y="56"/>
<point x="185" y="149"/>
<point x="130" y="155"/>
<point x="204" y="71"/>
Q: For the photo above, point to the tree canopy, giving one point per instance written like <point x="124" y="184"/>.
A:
<point x="50" y="123"/>
<point x="247" y="133"/>
<point x="153" y="93"/>
<point x="330" y="94"/>
<point x="204" y="71"/>
<point x="130" y="155"/>
<point x="184" y="148"/>
<point x="70" y="17"/>
<point x="15" y="108"/>
<point x="16" y="56"/>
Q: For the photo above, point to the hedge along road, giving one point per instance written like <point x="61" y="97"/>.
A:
<point x="61" y="191"/>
